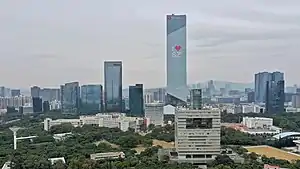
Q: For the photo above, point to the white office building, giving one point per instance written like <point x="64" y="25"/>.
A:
<point x="197" y="135"/>
<point x="155" y="112"/>
<point x="110" y="120"/>
<point x="257" y="122"/>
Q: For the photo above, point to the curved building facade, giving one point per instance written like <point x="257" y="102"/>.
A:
<point x="176" y="57"/>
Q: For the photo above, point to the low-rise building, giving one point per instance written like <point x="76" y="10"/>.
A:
<point x="108" y="155"/>
<point x="110" y="120"/>
<point x="54" y="160"/>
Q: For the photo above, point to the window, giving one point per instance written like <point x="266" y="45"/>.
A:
<point x="198" y="123"/>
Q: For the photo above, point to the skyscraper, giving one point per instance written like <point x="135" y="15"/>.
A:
<point x="136" y="100"/>
<point x="91" y="98"/>
<point x="275" y="95"/>
<point x="35" y="91"/>
<point x="70" y="98"/>
<point x="113" y="86"/>
<point x="176" y="59"/>
<point x="15" y="92"/>
<point x="261" y="80"/>
<point x="37" y="104"/>
<point x="196" y="99"/>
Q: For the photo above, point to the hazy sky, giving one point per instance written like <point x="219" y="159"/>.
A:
<point x="50" y="42"/>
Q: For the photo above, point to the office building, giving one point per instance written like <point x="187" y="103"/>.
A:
<point x="251" y="97"/>
<point x="71" y="98"/>
<point x="15" y="92"/>
<point x="113" y="86"/>
<point x="37" y="104"/>
<point x="91" y="99"/>
<point x="35" y="91"/>
<point x="177" y="90"/>
<point x="46" y="106"/>
<point x="136" y="100"/>
<point x="5" y="92"/>
<point x="261" y="80"/>
<point x="197" y="135"/>
<point x="296" y="101"/>
<point x="197" y="132"/>
<point x="61" y="91"/>
<point x="196" y="99"/>
<point x="275" y="96"/>
<point x="155" y="112"/>
<point x="50" y="94"/>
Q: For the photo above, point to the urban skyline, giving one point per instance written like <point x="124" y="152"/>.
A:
<point x="217" y="39"/>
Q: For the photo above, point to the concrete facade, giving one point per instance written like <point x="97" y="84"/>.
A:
<point x="197" y="135"/>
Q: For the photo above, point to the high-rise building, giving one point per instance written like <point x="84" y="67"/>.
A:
<point x="15" y="92"/>
<point x="113" y="86"/>
<point x="251" y="97"/>
<point x="61" y="92"/>
<point x="196" y="99"/>
<point x="71" y="98"/>
<point x="136" y="100"/>
<point x="177" y="90"/>
<point x="50" y="94"/>
<point x="197" y="135"/>
<point x="5" y="92"/>
<point x="37" y="104"/>
<point x="35" y="91"/>
<point x="46" y="106"/>
<point x="261" y="80"/>
<point x="275" y="96"/>
<point x="2" y="91"/>
<point x="91" y="99"/>
<point x="155" y="112"/>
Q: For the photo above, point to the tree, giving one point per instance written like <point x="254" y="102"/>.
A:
<point x="222" y="159"/>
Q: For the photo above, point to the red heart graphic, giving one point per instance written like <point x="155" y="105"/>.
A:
<point x="177" y="47"/>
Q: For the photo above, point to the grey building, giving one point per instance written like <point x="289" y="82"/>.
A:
<point x="275" y="96"/>
<point x="91" y="99"/>
<point x="155" y="112"/>
<point x="261" y="80"/>
<point x="136" y="100"/>
<point x="35" y="91"/>
<point x="15" y="92"/>
<point x="196" y="98"/>
<point x="50" y="94"/>
<point x="113" y="86"/>
<point x="177" y="90"/>
<point x="61" y="93"/>
<point x="71" y="98"/>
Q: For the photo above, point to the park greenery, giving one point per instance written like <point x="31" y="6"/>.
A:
<point x="34" y="153"/>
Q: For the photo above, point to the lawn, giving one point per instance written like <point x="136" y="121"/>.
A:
<point x="273" y="152"/>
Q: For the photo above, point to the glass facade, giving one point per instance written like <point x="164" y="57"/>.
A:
<point x="113" y="86"/>
<point x="261" y="80"/>
<point x="275" y="96"/>
<point x="91" y="99"/>
<point x="176" y="58"/>
<point x="136" y="100"/>
<point x="71" y="98"/>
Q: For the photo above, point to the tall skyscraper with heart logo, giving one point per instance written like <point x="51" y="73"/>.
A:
<point x="177" y="90"/>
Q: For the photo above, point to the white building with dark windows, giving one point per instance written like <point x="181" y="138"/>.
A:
<point x="197" y="135"/>
<point x="110" y="120"/>
<point x="155" y="112"/>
